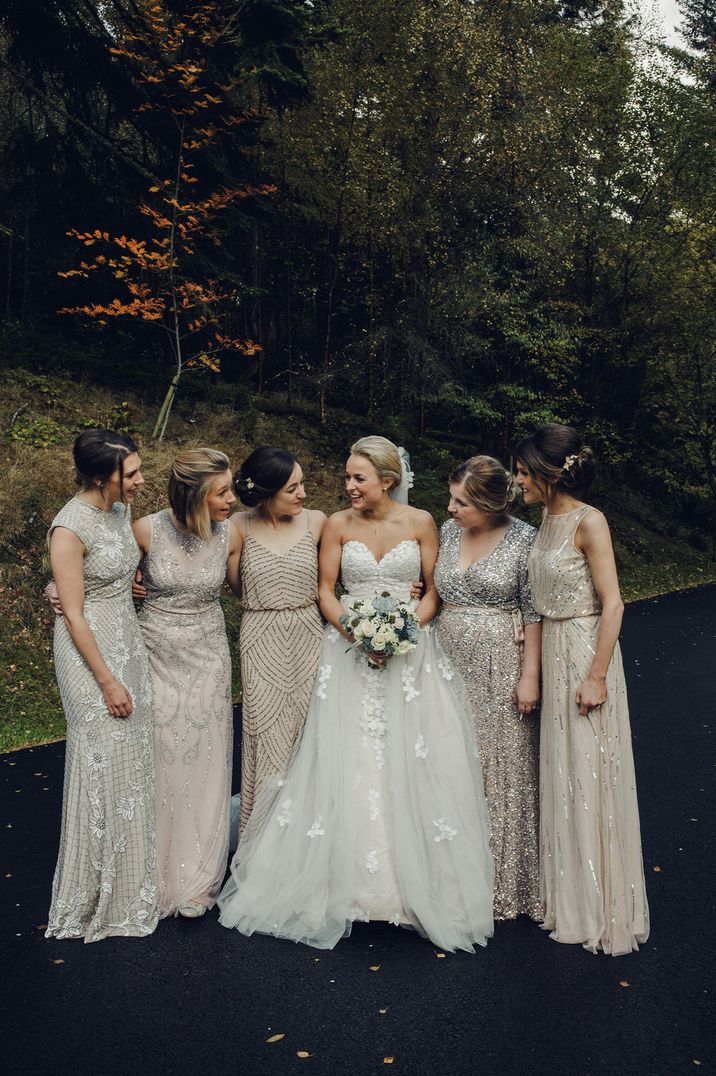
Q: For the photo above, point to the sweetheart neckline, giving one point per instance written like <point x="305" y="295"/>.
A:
<point x="403" y="541"/>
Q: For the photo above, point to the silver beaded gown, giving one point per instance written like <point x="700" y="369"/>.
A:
<point x="184" y="631"/>
<point x="592" y="872"/>
<point x="480" y="629"/>
<point x="105" y="879"/>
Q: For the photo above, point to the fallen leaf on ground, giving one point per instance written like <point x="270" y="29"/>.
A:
<point x="388" y="1060"/>
<point x="41" y="926"/>
<point x="303" y="1053"/>
<point x="696" y="1062"/>
<point x="440" y="956"/>
<point x="382" y="1011"/>
<point x="623" y="982"/>
<point x="374" y="967"/>
<point x="58" y="961"/>
<point x="8" y="876"/>
<point x="657" y="870"/>
<point x="276" y="1038"/>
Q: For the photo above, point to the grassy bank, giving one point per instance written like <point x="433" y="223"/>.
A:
<point x="39" y="417"/>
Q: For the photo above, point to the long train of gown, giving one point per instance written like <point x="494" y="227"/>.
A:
<point x="381" y="812"/>
<point x="592" y="872"/>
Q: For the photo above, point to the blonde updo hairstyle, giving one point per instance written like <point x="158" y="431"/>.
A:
<point x="384" y="456"/>
<point x="192" y="476"/>
<point x="487" y="484"/>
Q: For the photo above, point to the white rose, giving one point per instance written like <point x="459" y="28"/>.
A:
<point x="378" y="641"/>
<point x="399" y="622"/>
<point x="366" y="608"/>
<point x="367" y="627"/>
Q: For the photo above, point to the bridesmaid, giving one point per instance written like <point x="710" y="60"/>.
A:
<point x="105" y="879"/>
<point x="491" y="633"/>
<point x="189" y="549"/>
<point x="281" y="626"/>
<point x="592" y="872"/>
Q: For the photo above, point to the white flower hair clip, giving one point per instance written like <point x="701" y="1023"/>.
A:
<point x="569" y="462"/>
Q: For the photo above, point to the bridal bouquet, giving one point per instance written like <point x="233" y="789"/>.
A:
<point x="382" y="625"/>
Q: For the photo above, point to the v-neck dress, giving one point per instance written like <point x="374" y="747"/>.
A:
<point x="281" y="632"/>
<point x="481" y="629"/>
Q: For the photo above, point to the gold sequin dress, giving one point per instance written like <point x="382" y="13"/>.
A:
<point x="480" y="629"/>
<point x="592" y="872"/>
<point x="281" y="633"/>
<point x="183" y="628"/>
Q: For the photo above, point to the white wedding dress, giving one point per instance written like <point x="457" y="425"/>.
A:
<point x="381" y="812"/>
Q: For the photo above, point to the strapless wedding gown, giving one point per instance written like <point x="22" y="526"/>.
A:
<point x="381" y="812"/>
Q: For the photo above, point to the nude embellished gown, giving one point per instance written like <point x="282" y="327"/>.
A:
<point x="280" y="642"/>
<point x="592" y="871"/>
<point x="184" y="631"/>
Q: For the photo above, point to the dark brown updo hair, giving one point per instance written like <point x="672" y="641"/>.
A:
<point x="555" y="456"/>
<point x="487" y="484"/>
<point x="263" y="474"/>
<point x="98" y="454"/>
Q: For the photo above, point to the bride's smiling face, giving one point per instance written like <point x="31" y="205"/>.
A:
<point x="364" y="485"/>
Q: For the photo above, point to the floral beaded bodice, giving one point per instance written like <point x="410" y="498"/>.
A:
<point x="183" y="573"/>
<point x="362" y="575"/>
<point x="112" y="555"/>
<point x="500" y="579"/>
<point x="562" y="585"/>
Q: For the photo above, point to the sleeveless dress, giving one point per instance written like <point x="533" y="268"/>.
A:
<point x="381" y="812"/>
<point x="481" y="630"/>
<point x="105" y="879"/>
<point x="592" y="872"/>
<point x="183" y="627"/>
<point x="280" y="640"/>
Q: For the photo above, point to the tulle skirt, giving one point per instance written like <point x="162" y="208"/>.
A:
<point x="380" y="814"/>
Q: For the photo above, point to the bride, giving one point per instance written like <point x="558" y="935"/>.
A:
<point x="381" y="812"/>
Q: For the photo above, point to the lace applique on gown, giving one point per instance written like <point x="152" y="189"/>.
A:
<point x="592" y="872"/>
<point x="380" y="813"/>
<point x="183" y="627"/>
<point x="105" y="879"/>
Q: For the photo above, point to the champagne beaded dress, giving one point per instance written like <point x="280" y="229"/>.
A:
<point x="592" y="873"/>
<point x="481" y="630"/>
<point x="105" y="879"/>
<point x="183" y="627"/>
<point x="380" y="813"/>
<point x="281" y="633"/>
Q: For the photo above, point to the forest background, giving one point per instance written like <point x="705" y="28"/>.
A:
<point x="297" y="221"/>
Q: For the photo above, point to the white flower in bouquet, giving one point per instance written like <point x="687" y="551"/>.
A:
<point x="382" y="626"/>
<point x="367" y="628"/>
